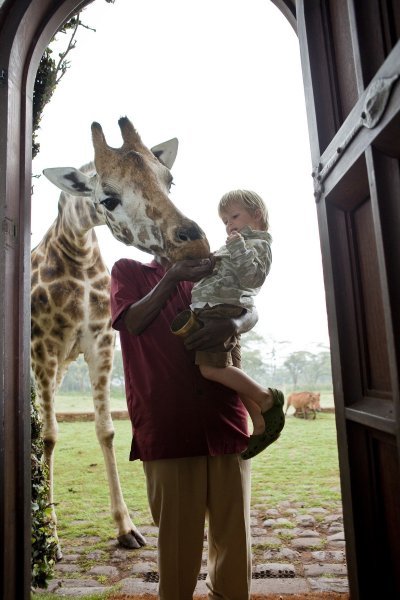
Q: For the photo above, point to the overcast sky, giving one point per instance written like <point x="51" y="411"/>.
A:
<point x="224" y="77"/>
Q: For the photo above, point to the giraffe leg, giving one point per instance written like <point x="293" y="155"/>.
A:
<point x="128" y="534"/>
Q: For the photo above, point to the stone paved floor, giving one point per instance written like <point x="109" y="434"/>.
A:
<point x="293" y="553"/>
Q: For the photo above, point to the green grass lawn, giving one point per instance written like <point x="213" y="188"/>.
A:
<point x="301" y="467"/>
<point x="81" y="489"/>
<point x="83" y="402"/>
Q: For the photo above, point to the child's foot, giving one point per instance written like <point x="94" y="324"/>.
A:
<point x="274" y="419"/>
<point x="265" y="402"/>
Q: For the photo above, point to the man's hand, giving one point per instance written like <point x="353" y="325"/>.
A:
<point x="140" y="314"/>
<point x="219" y="331"/>
<point x="191" y="270"/>
<point x="213" y="333"/>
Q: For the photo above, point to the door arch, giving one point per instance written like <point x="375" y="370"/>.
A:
<point x="26" y="27"/>
<point x="347" y="50"/>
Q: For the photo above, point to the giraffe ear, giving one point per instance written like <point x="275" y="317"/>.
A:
<point x="70" y="180"/>
<point x="166" y="152"/>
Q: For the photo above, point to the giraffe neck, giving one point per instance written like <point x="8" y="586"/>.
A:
<point x="74" y="235"/>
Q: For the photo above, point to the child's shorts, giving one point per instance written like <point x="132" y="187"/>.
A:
<point x="222" y="355"/>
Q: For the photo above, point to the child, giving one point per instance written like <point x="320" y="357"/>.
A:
<point x="241" y="268"/>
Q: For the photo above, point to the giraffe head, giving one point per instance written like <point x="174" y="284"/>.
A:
<point x="130" y="194"/>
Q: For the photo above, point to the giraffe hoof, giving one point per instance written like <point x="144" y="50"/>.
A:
<point x="132" y="540"/>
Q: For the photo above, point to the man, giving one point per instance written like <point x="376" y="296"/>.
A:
<point x="188" y="431"/>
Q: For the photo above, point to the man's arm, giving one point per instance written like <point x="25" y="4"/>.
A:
<point x="216" y="331"/>
<point x="140" y="314"/>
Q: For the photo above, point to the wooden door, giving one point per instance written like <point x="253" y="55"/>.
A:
<point x="26" y="27"/>
<point x="350" y="53"/>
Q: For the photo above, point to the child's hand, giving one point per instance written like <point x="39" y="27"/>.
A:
<point x="233" y="236"/>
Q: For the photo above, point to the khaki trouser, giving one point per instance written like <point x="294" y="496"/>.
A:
<point x="184" y="492"/>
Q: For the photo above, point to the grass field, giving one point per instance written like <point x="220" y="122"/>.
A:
<point x="301" y="467"/>
<point x="83" y="402"/>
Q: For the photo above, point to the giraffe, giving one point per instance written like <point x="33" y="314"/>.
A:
<point x="126" y="189"/>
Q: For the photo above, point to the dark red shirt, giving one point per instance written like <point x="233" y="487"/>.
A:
<point x="175" y="412"/>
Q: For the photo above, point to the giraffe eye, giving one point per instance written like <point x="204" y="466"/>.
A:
<point x="110" y="203"/>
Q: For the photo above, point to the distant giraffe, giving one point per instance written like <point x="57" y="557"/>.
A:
<point x="127" y="189"/>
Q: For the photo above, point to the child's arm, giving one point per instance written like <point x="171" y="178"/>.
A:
<point x="252" y="263"/>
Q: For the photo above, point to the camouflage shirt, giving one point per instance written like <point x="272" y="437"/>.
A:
<point x="241" y="268"/>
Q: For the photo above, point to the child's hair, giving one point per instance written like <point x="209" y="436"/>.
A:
<point x="250" y="200"/>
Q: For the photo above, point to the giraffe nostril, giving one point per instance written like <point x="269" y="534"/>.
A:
<point x="182" y="236"/>
<point x="189" y="234"/>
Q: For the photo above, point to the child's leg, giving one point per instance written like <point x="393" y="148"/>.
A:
<point x="237" y="380"/>
<point x="255" y="414"/>
<point x="258" y="401"/>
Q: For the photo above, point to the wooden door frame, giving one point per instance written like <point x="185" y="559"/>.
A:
<point x="26" y="28"/>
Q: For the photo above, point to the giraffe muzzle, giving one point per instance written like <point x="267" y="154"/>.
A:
<point x="190" y="243"/>
<point x="189" y="233"/>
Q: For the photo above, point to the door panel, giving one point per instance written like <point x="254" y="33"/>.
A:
<point x="370" y="312"/>
<point x="378" y="30"/>
<point x="385" y="175"/>
<point x="374" y="468"/>
<point x="357" y="184"/>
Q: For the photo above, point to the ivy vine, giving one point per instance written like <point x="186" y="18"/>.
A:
<point x="50" y="72"/>
<point x="44" y="544"/>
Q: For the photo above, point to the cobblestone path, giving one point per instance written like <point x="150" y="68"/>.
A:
<point x="293" y="553"/>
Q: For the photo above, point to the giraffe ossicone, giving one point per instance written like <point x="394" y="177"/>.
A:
<point x="126" y="189"/>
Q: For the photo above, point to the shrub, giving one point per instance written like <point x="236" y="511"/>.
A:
<point x="44" y="544"/>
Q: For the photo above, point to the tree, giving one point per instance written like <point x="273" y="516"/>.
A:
<point x="49" y="75"/>
<point x="255" y="357"/>
<point x="117" y="376"/>
<point x="308" y="368"/>
<point x="296" y="364"/>
<point x="319" y="368"/>
<point x="261" y="359"/>
<point x="77" y="377"/>
<point x="51" y="71"/>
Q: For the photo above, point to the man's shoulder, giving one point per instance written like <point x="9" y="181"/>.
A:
<point x="122" y="266"/>
<point x="128" y="264"/>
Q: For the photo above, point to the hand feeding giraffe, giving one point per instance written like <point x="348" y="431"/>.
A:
<point x="127" y="189"/>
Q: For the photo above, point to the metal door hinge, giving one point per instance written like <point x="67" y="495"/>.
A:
<point x="373" y="109"/>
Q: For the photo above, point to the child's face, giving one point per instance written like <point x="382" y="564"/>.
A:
<point x="236" y="216"/>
